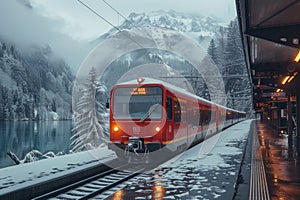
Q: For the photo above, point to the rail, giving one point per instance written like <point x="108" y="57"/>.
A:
<point x="258" y="183"/>
<point x="97" y="185"/>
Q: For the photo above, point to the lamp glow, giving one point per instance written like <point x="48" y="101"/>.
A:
<point x="115" y="128"/>
<point x="292" y="77"/>
<point x="140" y="80"/>
<point x="285" y="80"/>
<point x="297" y="58"/>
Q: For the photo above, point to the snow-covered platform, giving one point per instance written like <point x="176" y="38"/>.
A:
<point x="210" y="170"/>
<point x="41" y="173"/>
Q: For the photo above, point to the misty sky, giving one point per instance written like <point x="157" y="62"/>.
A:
<point x="67" y="26"/>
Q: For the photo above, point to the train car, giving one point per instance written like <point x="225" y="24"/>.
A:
<point x="147" y="115"/>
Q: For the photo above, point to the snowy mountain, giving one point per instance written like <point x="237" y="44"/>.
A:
<point x="34" y="84"/>
<point x="223" y="45"/>
<point x="201" y="28"/>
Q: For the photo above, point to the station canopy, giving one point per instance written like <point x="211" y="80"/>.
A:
<point x="271" y="38"/>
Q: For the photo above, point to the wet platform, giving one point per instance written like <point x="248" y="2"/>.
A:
<point x="280" y="155"/>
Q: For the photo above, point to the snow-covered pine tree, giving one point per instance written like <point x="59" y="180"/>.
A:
<point x="234" y="56"/>
<point x="213" y="51"/>
<point x="90" y="128"/>
<point x="235" y="74"/>
<point x="1" y="103"/>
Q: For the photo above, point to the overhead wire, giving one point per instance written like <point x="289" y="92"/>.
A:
<point x="114" y="9"/>
<point x="103" y="18"/>
<point x="107" y="21"/>
<point x="117" y="28"/>
<point x="109" y="5"/>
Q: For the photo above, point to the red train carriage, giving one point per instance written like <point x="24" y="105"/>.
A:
<point x="148" y="115"/>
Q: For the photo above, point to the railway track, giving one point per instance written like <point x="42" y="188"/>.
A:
<point x="101" y="185"/>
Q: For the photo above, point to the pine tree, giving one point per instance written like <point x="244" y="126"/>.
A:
<point x="4" y="47"/>
<point x="213" y="51"/>
<point x="220" y="43"/>
<point x="8" y="111"/>
<point x="238" y="88"/>
<point x="53" y="105"/>
<point x="89" y="131"/>
<point x="1" y="104"/>
<point x="20" y="109"/>
<point x="234" y="59"/>
<point x="1" y="52"/>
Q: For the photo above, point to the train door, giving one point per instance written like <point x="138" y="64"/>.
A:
<point x="184" y="122"/>
<point x="217" y="119"/>
<point x="189" y="124"/>
<point x="169" y="122"/>
<point x="193" y="120"/>
<point x="180" y="123"/>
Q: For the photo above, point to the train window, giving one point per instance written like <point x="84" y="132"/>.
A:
<point x="183" y="112"/>
<point x="137" y="103"/>
<point x="213" y="115"/>
<point x="177" y="112"/>
<point x="205" y="116"/>
<point x="190" y="116"/>
<point x="193" y="117"/>
<point x="169" y="108"/>
<point x="199" y="118"/>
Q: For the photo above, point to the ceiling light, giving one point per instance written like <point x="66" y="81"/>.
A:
<point x="292" y="77"/>
<point x="297" y="58"/>
<point x="285" y="80"/>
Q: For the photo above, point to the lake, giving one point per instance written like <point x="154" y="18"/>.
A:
<point x="21" y="137"/>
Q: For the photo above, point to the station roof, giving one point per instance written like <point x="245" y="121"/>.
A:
<point x="271" y="38"/>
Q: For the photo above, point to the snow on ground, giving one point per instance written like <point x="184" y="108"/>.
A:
<point x="19" y="176"/>
<point x="210" y="174"/>
<point x="226" y="144"/>
<point x="203" y="172"/>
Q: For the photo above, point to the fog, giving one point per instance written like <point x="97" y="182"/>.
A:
<point x="68" y="27"/>
<point x="22" y="26"/>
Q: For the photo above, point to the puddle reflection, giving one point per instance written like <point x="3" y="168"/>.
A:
<point x="171" y="183"/>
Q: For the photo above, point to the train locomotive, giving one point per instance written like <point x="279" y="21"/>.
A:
<point x="148" y="115"/>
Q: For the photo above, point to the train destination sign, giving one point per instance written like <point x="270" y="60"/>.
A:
<point x="267" y="74"/>
<point x="145" y="90"/>
<point x="139" y="91"/>
<point x="274" y="94"/>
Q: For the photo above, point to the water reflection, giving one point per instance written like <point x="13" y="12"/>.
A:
<point x="119" y="195"/>
<point x="23" y="136"/>
<point x="281" y="163"/>
<point x="158" y="190"/>
<point x="175" y="183"/>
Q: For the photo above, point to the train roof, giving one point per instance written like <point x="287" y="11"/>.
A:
<point x="172" y="87"/>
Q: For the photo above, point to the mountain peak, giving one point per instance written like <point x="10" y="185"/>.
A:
<point x="200" y="28"/>
<point x="170" y="19"/>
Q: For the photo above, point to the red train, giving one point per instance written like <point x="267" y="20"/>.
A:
<point x="148" y="115"/>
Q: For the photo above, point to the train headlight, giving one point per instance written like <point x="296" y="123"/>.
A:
<point x="157" y="129"/>
<point x="116" y="128"/>
<point x="140" y="80"/>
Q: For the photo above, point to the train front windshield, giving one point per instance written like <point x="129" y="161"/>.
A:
<point x="137" y="102"/>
